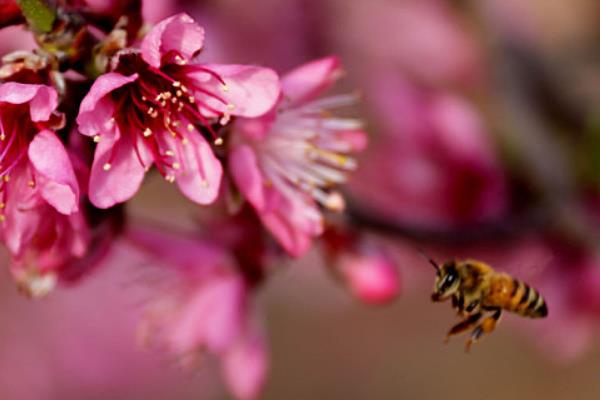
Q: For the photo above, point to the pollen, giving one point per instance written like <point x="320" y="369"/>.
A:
<point x="147" y="132"/>
<point x="2" y="217"/>
<point x="31" y="184"/>
<point x="190" y="127"/>
<point x="176" y="84"/>
<point x="3" y="137"/>
<point x="218" y="141"/>
<point x="106" y="166"/>
<point x="97" y="138"/>
<point x="225" y="88"/>
<point x="176" y="165"/>
<point x="2" y="205"/>
<point x="170" y="178"/>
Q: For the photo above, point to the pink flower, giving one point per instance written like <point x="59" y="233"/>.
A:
<point x="155" y="104"/>
<point x="203" y="305"/>
<point x="34" y="165"/>
<point x="287" y="162"/>
<point x="441" y="167"/>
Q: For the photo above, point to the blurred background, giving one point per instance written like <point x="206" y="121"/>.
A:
<point x="484" y="143"/>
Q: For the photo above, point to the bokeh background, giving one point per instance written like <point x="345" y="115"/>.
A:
<point x="485" y="143"/>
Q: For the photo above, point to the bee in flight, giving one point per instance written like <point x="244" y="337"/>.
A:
<point x="479" y="294"/>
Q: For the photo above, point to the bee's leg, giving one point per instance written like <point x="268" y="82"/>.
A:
<point x="487" y="325"/>
<point x="463" y="325"/>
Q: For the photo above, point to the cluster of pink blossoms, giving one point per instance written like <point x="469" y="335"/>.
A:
<point x="98" y="106"/>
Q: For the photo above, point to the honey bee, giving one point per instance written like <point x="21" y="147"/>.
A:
<point x="480" y="294"/>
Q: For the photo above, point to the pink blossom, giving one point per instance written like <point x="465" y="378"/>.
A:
<point x="286" y="162"/>
<point x="152" y="108"/>
<point x="441" y="167"/>
<point x="34" y="165"/>
<point x="202" y="305"/>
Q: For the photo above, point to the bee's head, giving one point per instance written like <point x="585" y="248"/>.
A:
<point x="447" y="281"/>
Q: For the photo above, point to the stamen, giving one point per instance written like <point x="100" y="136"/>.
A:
<point x="106" y="166"/>
<point x="97" y="138"/>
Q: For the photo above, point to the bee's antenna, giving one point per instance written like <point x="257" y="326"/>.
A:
<point x="431" y="260"/>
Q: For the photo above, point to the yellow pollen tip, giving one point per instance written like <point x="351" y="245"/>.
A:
<point x="185" y="141"/>
<point x="179" y="93"/>
<point x="2" y="137"/>
<point x="218" y="141"/>
<point x="147" y="132"/>
<point x="192" y="99"/>
<point x="97" y="138"/>
<point x="106" y="166"/>
<point x="6" y="178"/>
<point x="176" y="84"/>
<point x="170" y="178"/>
<point x="2" y="218"/>
<point x="31" y="184"/>
<point x="231" y="106"/>
<point x="169" y="153"/>
<point x="225" y="88"/>
<point x="2" y="205"/>
<point x="176" y="165"/>
<point x="190" y="127"/>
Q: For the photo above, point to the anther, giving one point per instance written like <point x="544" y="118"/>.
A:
<point x="170" y="178"/>
<point x="176" y="84"/>
<point x="97" y="138"/>
<point x="190" y="127"/>
<point x="225" y="88"/>
<point x="218" y="141"/>
<point x="147" y="132"/>
<point x="176" y="165"/>
<point x="169" y="153"/>
<point x="2" y="137"/>
<point x="106" y="166"/>
<point x="31" y="184"/>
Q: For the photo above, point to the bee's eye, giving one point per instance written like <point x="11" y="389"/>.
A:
<point x="448" y="280"/>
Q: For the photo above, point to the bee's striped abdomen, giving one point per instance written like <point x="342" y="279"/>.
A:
<point x="526" y="301"/>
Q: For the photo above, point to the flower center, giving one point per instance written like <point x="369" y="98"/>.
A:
<point x="161" y="111"/>
<point x="306" y="149"/>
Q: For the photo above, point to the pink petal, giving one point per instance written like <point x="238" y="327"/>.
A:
<point x="309" y="80"/>
<point x="200" y="177"/>
<point x="245" y="366"/>
<point x="43" y="99"/>
<point x="250" y="91"/>
<point x="179" y="33"/>
<point x="288" y="222"/>
<point x="178" y="250"/>
<point x="55" y="177"/>
<point x="97" y="108"/>
<point x="211" y="318"/>
<point x="126" y="173"/>
<point x="24" y="210"/>
<point x="247" y="176"/>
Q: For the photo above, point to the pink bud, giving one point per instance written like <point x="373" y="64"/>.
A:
<point x="372" y="278"/>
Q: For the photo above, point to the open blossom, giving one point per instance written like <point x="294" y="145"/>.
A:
<point x="287" y="162"/>
<point x="154" y="107"/>
<point x="201" y="305"/>
<point x="440" y="162"/>
<point x="34" y="165"/>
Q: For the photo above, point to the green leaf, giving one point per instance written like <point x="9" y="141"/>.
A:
<point x="40" y="16"/>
